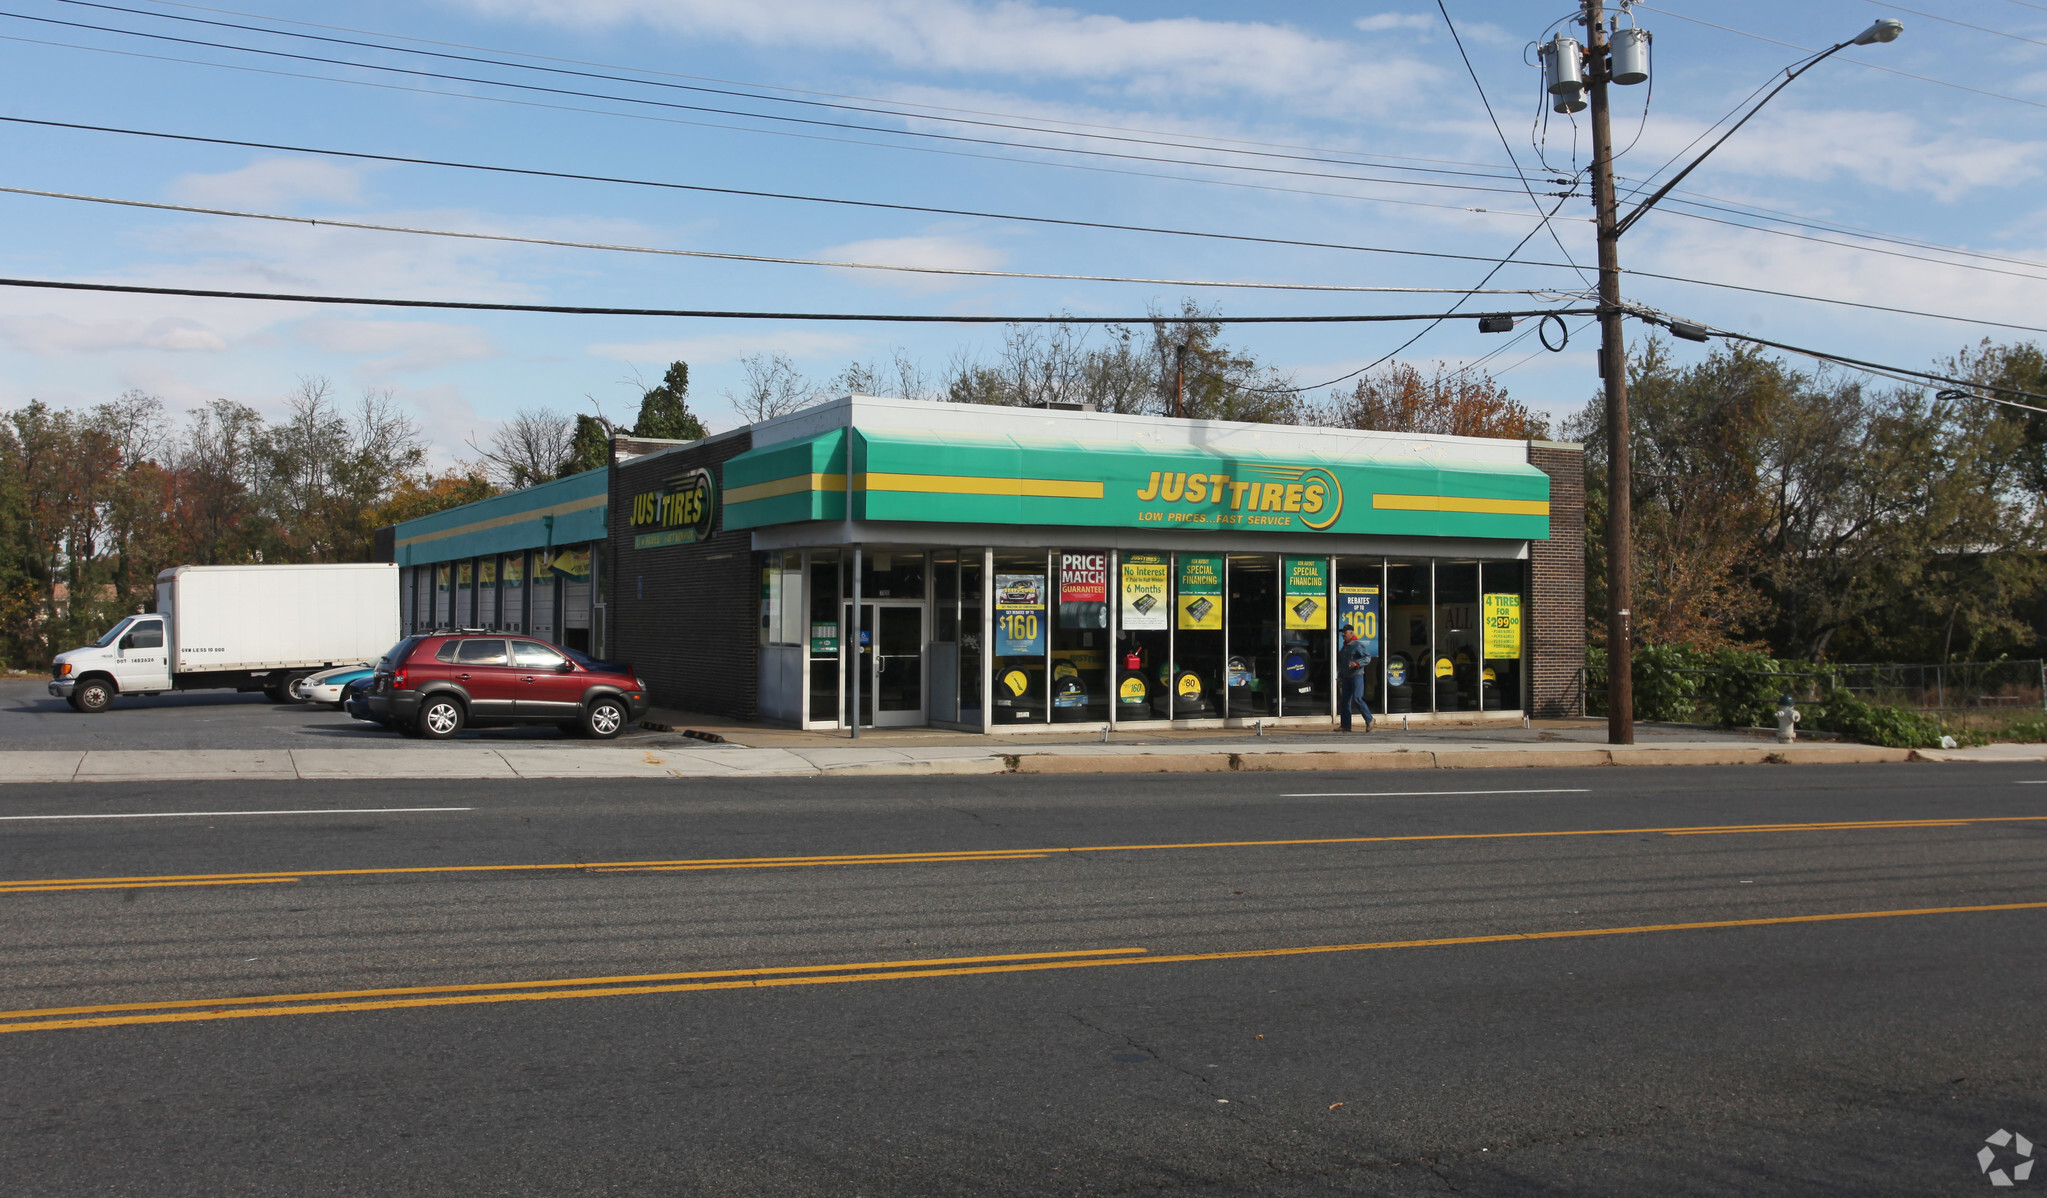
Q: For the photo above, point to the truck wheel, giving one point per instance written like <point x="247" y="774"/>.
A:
<point x="92" y="696"/>
<point x="605" y="719"/>
<point x="440" y="718"/>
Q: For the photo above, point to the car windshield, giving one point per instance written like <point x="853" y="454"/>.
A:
<point x="113" y="634"/>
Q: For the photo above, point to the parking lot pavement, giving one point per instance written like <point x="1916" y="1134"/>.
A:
<point x="33" y="719"/>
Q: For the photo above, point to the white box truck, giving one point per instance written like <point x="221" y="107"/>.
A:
<point x="243" y="628"/>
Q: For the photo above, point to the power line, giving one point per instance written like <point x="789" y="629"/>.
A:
<point x="1502" y="134"/>
<point x="723" y="314"/>
<point x="2032" y="41"/>
<point x="312" y="221"/>
<point x="1049" y="124"/>
<point x="1821" y="299"/>
<point x="1426" y="329"/>
<point x="1899" y="373"/>
<point x="762" y="116"/>
<point x="1858" y="62"/>
<point x="534" y="172"/>
<point x="872" y="106"/>
<point x="1057" y="126"/>
<point x="747" y="193"/>
<point x="788" y="133"/>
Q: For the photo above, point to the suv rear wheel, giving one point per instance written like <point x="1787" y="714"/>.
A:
<point x="605" y="718"/>
<point x="440" y="717"/>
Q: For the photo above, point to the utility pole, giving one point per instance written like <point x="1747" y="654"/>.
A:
<point x="1613" y="367"/>
<point x="1623" y="58"/>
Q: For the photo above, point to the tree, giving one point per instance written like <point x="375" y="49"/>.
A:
<point x="527" y="449"/>
<point x="1219" y="383"/>
<point x="1400" y="399"/>
<point x="664" y="410"/>
<point x="589" y="446"/>
<point x="773" y="387"/>
<point x="426" y="493"/>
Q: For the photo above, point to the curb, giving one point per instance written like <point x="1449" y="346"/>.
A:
<point x="1427" y="759"/>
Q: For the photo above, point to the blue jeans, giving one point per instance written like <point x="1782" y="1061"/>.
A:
<point x="1354" y="699"/>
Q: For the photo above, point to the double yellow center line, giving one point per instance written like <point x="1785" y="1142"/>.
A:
<point x="397" y="998"/>
<point x="49" y="885"/>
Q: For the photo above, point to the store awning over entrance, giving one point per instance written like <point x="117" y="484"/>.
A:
<point x="953" y="478"/>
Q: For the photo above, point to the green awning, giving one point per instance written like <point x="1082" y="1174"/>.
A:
<point x="954" y="478"/>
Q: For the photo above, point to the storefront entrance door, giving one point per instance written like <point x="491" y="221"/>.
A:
<point x="891" y="664"/>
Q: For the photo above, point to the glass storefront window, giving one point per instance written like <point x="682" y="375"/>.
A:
<point x="1501" y="611"/>
<point x="887" y="575"/>
<point x="1195" y="676"/>
<point x="824" y="635"/>
<point x="1409" y="643"/>
<point x="1144" y="620"/>
<point x="1361" y="604"/>
<point x="972" y="588"/>
<point x="1251" y="674"/>
<point x="1021" y="597"/>
<point x="1080" y="636"/>
<point x="1306" y="617"/>
<point x="1456" y="667"/>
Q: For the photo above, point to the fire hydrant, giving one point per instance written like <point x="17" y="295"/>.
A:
<point x="1787" y="720"/>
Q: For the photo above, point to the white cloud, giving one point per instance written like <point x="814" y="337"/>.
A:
<point x="1380" y="22"/>
<point x="940" y="252"/>
<point x="1019" y="39"/>
<point x="1883" y="149"/>
<point x="272" y="181"/>
<point x="730" y="347"/>
<point x="395" y="346"/>
<point x="53" y="336"/>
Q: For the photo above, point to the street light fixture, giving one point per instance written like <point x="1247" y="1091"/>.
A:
<point x="1625" y="60"/>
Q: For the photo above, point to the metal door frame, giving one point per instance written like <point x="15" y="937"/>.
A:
<point x="868" y="691"/>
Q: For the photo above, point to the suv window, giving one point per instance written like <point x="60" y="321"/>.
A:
<point x="399" y="652"/>
<point x="481" y="653"/>
<point x="447" y="651"/>
<point x="532" y="655"/>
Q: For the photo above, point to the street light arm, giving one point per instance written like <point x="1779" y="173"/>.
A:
<point x="1628" y="221"/>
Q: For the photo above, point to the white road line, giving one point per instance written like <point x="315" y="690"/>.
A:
<point x="1407" y="794"/>
<point x="2032" y="782"/>
<point x="212" y="814"/>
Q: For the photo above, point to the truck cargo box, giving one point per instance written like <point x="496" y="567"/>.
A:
<point x="272" y="617"/>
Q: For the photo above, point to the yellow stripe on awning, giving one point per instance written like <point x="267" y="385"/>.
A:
<point x="952" y="484"/>
<point x="1461" y="503"/>
<point x="793" y="485"/>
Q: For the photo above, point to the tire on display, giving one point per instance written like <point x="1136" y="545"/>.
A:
<point x="440" y="717"/>
<point x="605" y="718"/>
<point x="93" y="696"/>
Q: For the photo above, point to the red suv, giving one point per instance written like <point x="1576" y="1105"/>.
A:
<point x="434" y="686"/>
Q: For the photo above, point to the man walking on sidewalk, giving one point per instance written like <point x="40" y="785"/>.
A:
<point x="1351" y="662"/>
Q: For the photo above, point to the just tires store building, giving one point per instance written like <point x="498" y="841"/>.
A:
<point x="989" y="568"/>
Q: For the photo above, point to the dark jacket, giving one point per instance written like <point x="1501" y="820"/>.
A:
<point x="1353" y="658"/>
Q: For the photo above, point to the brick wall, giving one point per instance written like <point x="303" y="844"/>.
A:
<point x="1556" y="570"/>
<point x="686" y="616"/>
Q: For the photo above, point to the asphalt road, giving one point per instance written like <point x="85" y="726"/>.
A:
<point x="32" y="718"/>
<point x="1028" y="986"/>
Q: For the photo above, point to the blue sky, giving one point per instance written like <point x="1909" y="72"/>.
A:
<point x="1326" y="103"/>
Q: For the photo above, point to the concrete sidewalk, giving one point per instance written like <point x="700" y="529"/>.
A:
<point x="846" y="758"/>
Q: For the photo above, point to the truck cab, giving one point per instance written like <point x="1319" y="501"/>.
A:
<point x="132" y="658"/>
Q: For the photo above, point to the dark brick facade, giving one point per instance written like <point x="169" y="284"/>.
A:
<point x="1556" y="569"/>
<point x="686" y="616"/>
